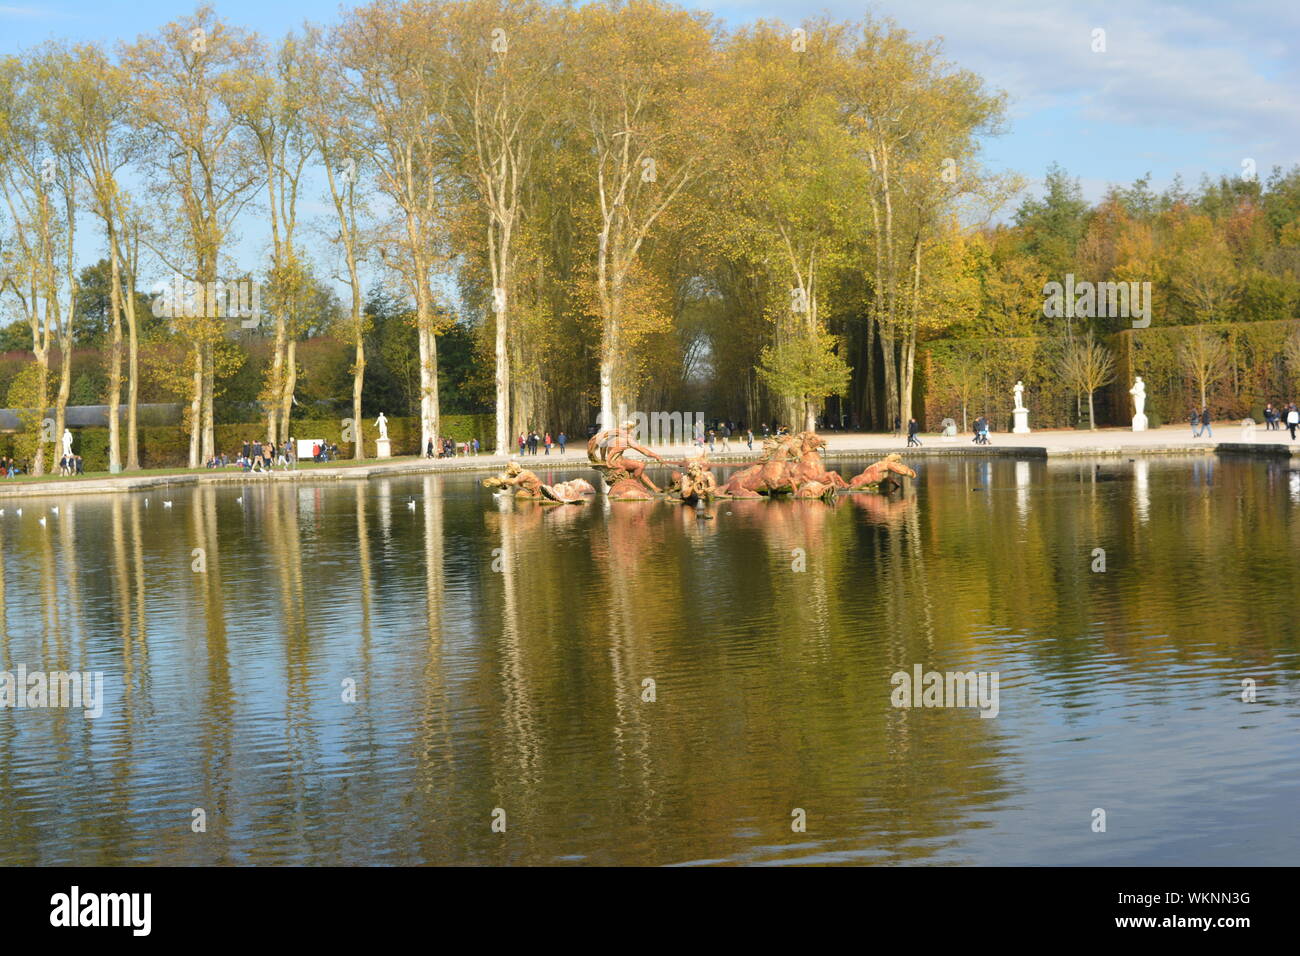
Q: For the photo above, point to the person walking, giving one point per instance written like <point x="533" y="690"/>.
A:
<point x="711" y="438"/>
<point x="562" y="439"/>
<point x="1292" y="419"/>
<point x="898" y="426"/>
<point x="726" y="437"/>
<point x="749" y="438"/>
<point x="548" y="442"/>
<point x="1195" y="421"/>
<point x="1205" y="422"/>
<point x="912" y="429"/>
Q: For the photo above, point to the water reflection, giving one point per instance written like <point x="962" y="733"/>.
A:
<point x="364" y="672"/>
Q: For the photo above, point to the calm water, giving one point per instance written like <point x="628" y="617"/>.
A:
<point x="521" y="688"/>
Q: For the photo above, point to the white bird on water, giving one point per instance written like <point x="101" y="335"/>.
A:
<point x="410" y="504"/>
<point x="41" y="519"/>
<point x="239" y="500"/>
<point x="167" y="504"/>
<point x="20" y="512"/>
<point x="55" y="509"/>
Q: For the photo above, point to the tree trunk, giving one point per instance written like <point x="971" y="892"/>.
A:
<point x="115" y="361"/>
<point x="209" y="394"/>
<point x="275" y="388"/>
<point x="42" y="393"/>
<point x="133" y="363"/>
<point x="358" y="381"/>
<point x="65" y="379"/>
<point x="196" y="406"/>
<point x="290" y="384"/>
<point x="890" y="364"/>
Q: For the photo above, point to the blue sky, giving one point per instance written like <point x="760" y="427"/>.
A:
<point x="1185" y="88"/>
<point x="1188" y="88"/>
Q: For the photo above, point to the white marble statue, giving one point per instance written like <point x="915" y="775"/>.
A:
<point x="382" y="422"/>
<point x="1139" y="393"/>
<point x="67" y="443"/>
<point x="1021" y="413"/>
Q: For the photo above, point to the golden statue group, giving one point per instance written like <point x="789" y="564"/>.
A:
<point x="789" y="465"/>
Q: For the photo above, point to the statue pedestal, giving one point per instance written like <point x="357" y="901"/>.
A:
<point x="1022" y="422"/>
<point x="383" y="448"/>
<point x="1139" y="423"/>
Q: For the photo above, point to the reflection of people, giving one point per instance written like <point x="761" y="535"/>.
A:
<point x="382" y="422"/>
<point x="1139" y="393"/>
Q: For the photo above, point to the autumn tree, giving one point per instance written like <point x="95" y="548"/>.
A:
<point x="181" y="75"/>
<point x="1204" y="356"/>
<point x="1086" y="365"/>
<point x="640" y="105"/>
<point x="93" y="100"/>
<point x="391" y="77"/>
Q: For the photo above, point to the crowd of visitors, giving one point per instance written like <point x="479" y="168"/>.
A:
<point x="1276" y="417"/>
<point x="264" y="457"/>
<point x="450" y="448"/>
<point x="531" y="443"/>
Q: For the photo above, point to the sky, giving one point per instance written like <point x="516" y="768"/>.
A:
<point x="1190" y="88"/>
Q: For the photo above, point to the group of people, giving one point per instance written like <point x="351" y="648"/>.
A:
<point x="725" y="431"/>
<point x="10" y="468"/>
<point x="1274" y="418"/>
<point x="530" y="442"/>
<point x="1200" y="422"/>
<point x="447" y="448"/>
<point x="70" y="465"/>
<point x="259" y="456"/>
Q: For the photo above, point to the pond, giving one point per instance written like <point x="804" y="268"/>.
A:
<point x="410" y="670"/>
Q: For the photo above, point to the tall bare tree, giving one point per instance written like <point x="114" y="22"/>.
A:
<point x="181" y="75"/>
<point x="391" y="75"/>
<point x="502" y="59"/>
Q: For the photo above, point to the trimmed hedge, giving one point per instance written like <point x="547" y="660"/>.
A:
<point x="1257" y="373"/>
